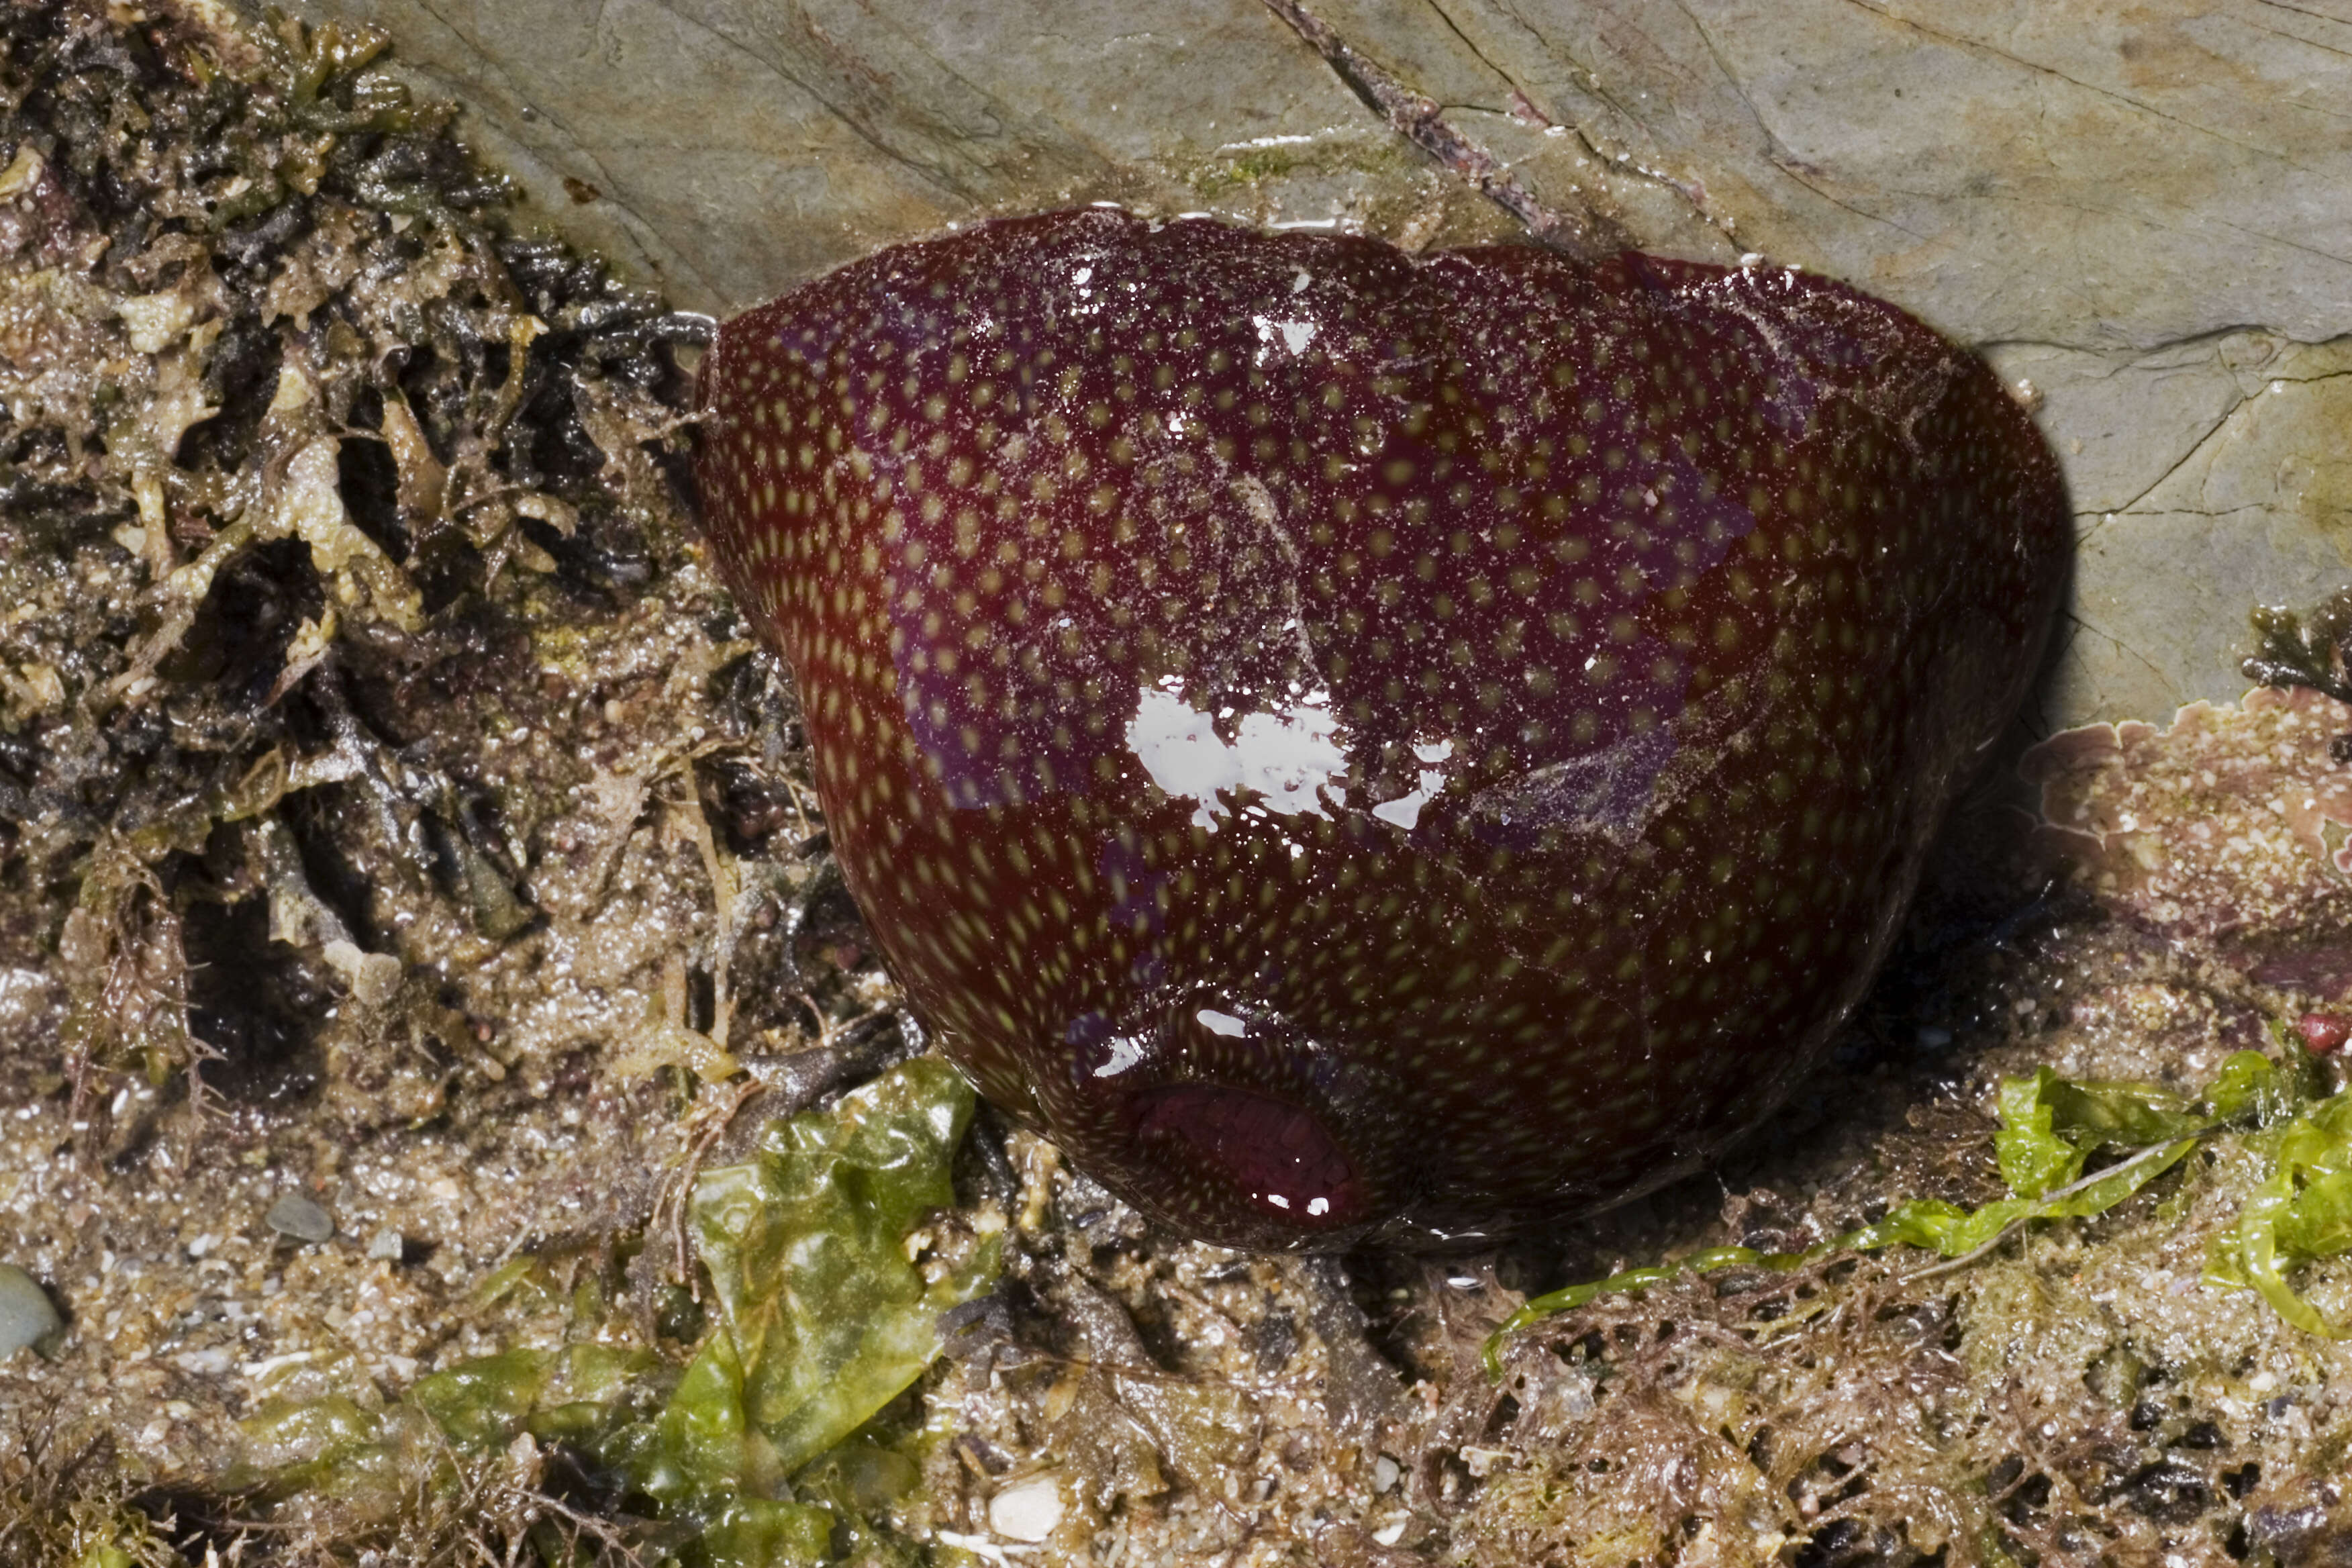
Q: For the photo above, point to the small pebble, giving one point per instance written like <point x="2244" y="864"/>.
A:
<point x="28" y="1319"/>
<point x="374" y="977"/>
<point x="301" y="1218"/>
<point x="387" y="1244"/>
<point x="2324" y="1033"/>
<point x="1028" y="1510"/>
<point x="1385" y="1472"/>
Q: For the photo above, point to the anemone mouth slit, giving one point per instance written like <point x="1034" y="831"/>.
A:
<point x="1275" y="1159"/>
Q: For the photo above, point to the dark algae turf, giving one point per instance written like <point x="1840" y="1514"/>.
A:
<point x="455" y="1113"/>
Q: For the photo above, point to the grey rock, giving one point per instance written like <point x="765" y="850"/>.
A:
<point x="299" y="1218"/>
<point x="386" y="1244"/>
<point x="28" y="1319"/>
<point x="2145" y="209"/>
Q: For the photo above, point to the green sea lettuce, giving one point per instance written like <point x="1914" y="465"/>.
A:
<point x="2051" y="1126"/>
<point x="827" y="1310"/>
<point x="2302" y="1210"/>
<point x="824" y="1318"/>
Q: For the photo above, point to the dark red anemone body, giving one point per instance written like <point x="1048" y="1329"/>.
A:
<point x="1354" y="746"/>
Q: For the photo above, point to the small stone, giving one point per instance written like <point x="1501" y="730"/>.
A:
<point x="374" y="977"/>
<point x="2324" y="1034"/>
<point x="387" y="1244"/>
<point x="22" y="175"/>
<point x="28" y="1319"/>
<point x="155" y="320"/>
<point x="1385" y="1472"/>
<point x="1028" y="1510"/>
<point x="299" y="1218"/>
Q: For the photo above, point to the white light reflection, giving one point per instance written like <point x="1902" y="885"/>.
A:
<point x="1295" y="335"/>
<point x="1125" y="1050"/>
<point x="1405" y="810"/>
<point x="1286" y="756"/>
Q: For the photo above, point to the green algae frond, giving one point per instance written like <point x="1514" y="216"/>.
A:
<point x="828" y="1310"/>
<point x="2051" y="1126"/>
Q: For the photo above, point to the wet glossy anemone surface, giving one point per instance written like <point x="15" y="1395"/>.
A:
<point x="1358" y="746"/>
